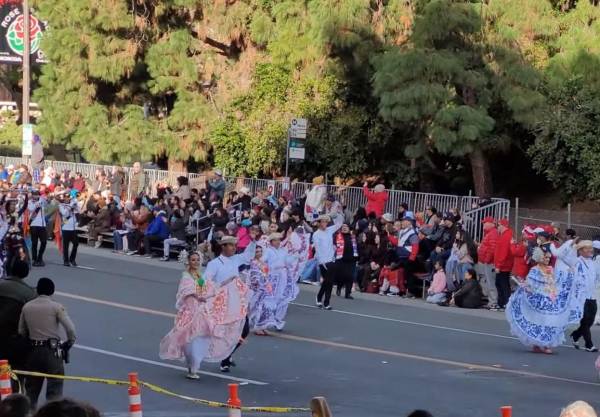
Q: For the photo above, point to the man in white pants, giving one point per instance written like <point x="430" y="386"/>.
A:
<point x="485" y="265"/>
<point x="177" y="234"/>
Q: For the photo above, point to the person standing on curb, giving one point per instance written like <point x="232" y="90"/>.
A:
<point x="485" y="256"/>
<point x="503" y="261"/>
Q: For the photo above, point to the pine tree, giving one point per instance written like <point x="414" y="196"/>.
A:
<point x="459" y="92"/>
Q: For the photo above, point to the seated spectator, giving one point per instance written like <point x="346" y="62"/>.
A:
<point x="436" y="293"/>
<point x="157" y="232"/>
<point x="177" y="234"/>
<point x="15" y="405"/>
<point x="391" y="282"/>
<point x="183" y="189"/>
<point x="370" y="278"/>
<point x="470" y="295"/>
<point x="101" y="223"/>
<point x="462" y="257"/>
<point x="140" y="218"/>
<point x="124" y="226"/>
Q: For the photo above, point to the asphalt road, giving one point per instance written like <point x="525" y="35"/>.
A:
<point x="373" y="356"/>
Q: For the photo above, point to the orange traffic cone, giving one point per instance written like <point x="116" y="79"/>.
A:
<point x="5" y="386"/>
<point x="506" y="411"/>
<point x="234" y="401"/>
<point x="135" y="397"/>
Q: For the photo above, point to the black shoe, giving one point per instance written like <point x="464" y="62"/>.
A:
<point x="41" y="263"/>
<point x="35" y="263"/>
<point x="66" y="264"/>
<point x="73" y="263"/>
<point x="338" y="292"/>
<point x="591" y="349"/>
<point x="349" y="297"/>
<point x="226" y="365"/>
<point x="327" y="308"/>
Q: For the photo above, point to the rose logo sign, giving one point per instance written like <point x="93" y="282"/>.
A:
<point x="15" y="35"/>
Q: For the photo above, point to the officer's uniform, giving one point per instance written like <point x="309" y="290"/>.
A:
<point x="40" y="322"/>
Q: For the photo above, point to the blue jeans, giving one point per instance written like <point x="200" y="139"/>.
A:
<point x="118" y="240"/>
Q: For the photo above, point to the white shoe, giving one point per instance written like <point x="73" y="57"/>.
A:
<point x="192" y="375"/>
<point x="319" y="304"/>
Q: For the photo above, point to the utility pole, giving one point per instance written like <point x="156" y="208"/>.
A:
<point x="26" y="66"/>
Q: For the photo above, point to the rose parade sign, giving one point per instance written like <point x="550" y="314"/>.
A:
<point x="12" y="34"/>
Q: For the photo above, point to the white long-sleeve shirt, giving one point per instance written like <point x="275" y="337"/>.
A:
<point x="587" y="272"/>
<point x="68" y="213"/>
<point x="222" y="267"/>
<point x="323" y="243"/>
<point x="40" y="218"/>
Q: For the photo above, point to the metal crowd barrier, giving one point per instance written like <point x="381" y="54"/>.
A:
<point x="351" y="197"/>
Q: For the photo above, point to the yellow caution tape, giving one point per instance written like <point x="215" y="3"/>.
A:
<point x="160" y="390"/>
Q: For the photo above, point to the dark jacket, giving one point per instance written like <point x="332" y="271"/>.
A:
<point x="158" y="227"/>
<point x="178" y="229"/>
<point x="14" y="294"/>
<point x="470" y="295"/>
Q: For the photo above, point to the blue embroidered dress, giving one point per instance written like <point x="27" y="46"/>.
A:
<point x="539" y="311"/>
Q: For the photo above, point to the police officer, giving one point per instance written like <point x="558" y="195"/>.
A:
<point x="40" y="322"/>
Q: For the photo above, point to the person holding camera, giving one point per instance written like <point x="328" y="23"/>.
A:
<point x="41" y="321"/>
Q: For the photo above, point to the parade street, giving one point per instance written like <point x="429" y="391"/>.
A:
<point x="372" y="356"/>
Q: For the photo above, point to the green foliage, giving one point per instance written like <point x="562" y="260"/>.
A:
<point x="453" y="85"/>
<point x="11" y="134"/>
<point x="567" y="147"/>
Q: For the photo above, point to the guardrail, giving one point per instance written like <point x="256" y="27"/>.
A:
<point x="351" y="197"/>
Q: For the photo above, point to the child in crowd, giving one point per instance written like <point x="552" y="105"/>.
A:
<point x="470" y="295"/>
<point x="437" y="291"/>
<point x="390" y="281"/>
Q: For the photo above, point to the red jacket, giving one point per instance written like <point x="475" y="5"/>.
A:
<point x="487" y="247"/>
<point x="520" y="266"/>
<point x="375" y="201"/>
<point x="503" y="259"/>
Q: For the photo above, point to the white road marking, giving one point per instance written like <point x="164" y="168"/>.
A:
<point x="85" y="267"/>
<point x="166" y="365"/>
<point x="332" y="344"/>
<point x="412" y="323"/>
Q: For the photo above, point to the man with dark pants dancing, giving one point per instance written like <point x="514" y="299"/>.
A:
<point x="325" y="254"/>
<point x="587" y="274"/>
<point x="225" y="266"/>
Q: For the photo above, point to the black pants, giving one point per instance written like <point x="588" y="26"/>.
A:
<point x="503" y="287"/>
<point x="245" y="333"/>
<point x="149" y="240"/>
<point x="69" y="236"/>
<point x="589" y="314"/>
<point x="328" y="274"/>
<point x="344" y="275"/>
<point x="42" y="359"/>
<point x="38" y="234"/>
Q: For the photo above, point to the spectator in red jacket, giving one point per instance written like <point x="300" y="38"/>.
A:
<point x="376" y="199"/>
<point x="519" y="252"/>
<point x="485" y="257"/>
<point x="503" y="260"/>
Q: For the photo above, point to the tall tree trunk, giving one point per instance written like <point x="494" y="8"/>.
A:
<point x="176" y="165"/>
<point x="482" y="175"/>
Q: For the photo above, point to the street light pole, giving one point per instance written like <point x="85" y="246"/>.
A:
<point x="26" y="65"/>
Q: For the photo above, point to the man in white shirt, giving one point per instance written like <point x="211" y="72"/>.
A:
<point x="225" y="267"/>
<point x="325" y="254"/>
<point x="587" y="274"/>
<point x="37" y="221"/>
<point x="68" y="209"/>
